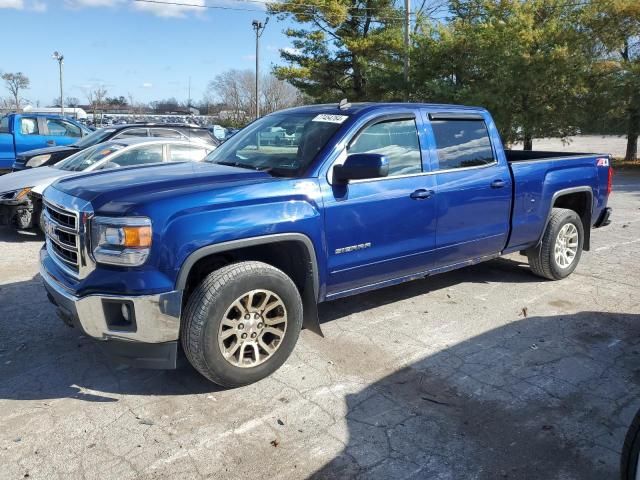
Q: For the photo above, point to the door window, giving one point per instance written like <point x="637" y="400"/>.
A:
<point x="61" y="128"/>
<point x="166" y="133"/>
<point x="133" y="132"/>
<point x="395" y="139"/>
<point x="29" y="126"/>
<point x="462" y="143"/>
<point x="186" y="153"/>
<point x="139" y="156"/>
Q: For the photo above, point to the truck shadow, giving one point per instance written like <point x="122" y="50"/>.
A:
<point x="508" y="270"/>
<point x="11" y="235"/>
<point x="41" y="358"/>
<point x="540" y="398"/>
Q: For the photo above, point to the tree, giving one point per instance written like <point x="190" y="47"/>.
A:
<point x="235" y="90"/>
<point x="616" y="23"/>
<point x="15" y="83"/>
<point x="96" y="97"/>
<point x="527" y="62"/>
<point x="343" y="48"/>
<point x="72" y="102"/>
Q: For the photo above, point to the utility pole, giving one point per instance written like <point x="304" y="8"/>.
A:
<point x="259" y="29"/>
<point x="189" y="99"/>
<point x="60" y="58"/>
<point x="407" y="29"/>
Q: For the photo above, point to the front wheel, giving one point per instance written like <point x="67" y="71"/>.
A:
<point x="241" y="323"/>
<point x="559" y="252"/>
<point x="630" y="461"/>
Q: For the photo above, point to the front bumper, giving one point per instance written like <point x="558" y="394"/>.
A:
<point x="149" y="339"/>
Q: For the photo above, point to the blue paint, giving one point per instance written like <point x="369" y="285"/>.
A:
<point x="469" y="214"/>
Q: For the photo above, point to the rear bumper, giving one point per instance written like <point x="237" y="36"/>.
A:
<point x="148" y="338"/>
<point x="603" y="219"/>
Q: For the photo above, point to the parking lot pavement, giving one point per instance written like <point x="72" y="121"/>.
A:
<point x="487" y="372"/>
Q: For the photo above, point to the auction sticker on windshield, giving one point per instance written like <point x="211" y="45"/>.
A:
<point x="325" y="117"/>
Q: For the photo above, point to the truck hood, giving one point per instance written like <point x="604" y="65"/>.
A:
<point x="130" y="185"/>
<point x="37" y="178"/>
<point x="48" y="150"/>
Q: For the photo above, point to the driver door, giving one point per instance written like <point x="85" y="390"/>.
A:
<point x="381" y="229"/>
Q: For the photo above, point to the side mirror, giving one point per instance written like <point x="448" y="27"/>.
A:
<point x="360" y="166"/>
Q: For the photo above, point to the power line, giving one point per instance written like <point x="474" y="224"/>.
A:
<point x="302" y="8"/>
<point x="290" y="8"/>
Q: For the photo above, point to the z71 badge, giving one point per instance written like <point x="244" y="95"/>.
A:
<point x="353" y="248"/>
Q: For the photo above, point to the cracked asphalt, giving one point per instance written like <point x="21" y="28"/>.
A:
<point x="483" y="373"/>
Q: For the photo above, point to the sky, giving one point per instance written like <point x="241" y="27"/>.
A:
<point x="146" y="50"/>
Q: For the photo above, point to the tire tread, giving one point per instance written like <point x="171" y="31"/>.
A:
<point x="195" y="313"/>
<point x="540" y="256"/>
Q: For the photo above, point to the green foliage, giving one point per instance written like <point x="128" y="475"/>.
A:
<point x="343" y="48"/>
<point x="524" y="61"/>
<point x="542" y="67"/>
<point x="616" y="83"/>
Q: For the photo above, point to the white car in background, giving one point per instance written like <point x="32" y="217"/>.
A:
<point x="21" y="192"/>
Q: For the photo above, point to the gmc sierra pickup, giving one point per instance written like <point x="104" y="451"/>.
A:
<point x="230" y="257"/>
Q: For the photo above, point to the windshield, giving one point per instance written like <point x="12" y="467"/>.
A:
<point x="86" y="158"/>
<point x="282" y="144"/>
<point x="94" y="137"/>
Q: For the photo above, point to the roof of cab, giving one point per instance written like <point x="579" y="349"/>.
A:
<point x="364" y="107"/>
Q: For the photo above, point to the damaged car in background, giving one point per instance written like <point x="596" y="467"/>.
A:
<point x="21" y="192"/>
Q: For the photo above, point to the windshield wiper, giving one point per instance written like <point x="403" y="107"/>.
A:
<point x="235" y="164"/>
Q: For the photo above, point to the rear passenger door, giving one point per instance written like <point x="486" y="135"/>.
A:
<point x="473" y="192"/>
<point x="61" y="132"/>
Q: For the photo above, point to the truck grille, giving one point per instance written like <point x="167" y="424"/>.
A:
<point x="63" y="236"/>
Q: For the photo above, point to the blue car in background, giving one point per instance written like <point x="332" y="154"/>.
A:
<point x="21" y="132"/>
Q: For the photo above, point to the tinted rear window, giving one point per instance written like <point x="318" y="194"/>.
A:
<point x="462" y="143"/>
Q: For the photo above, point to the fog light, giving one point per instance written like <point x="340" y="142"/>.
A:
<point x="126" y="313"/>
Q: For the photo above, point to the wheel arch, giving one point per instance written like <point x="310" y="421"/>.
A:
<point x="578" y="199"/>
<point x="279" y="250"/>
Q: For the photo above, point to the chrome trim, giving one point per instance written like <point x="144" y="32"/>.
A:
<point x="123" y="221"/>
<point x="157" y="316"/>
<point x="82" y="211"/>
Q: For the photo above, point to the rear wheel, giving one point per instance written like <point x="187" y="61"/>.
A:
<point x="559" y="252"/>
<point x="241" y="323"/>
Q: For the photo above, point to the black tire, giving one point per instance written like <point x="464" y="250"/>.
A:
<point x="631" y="451"/>
<point x="542" y="259"/>
<point x="206" y="308"/>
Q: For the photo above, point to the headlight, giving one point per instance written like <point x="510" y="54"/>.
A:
<point x="121" y="241"/>
<point x="37" y="160"/>
<point x="15" y="194"/>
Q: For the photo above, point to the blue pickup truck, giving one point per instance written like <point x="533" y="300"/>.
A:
<point x="20" y="132"/>
<point x="231" y="257"/>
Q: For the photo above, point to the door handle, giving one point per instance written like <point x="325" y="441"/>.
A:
<point x="422" y="194"/>
<point x="498" y="184"/>
<point x="51" y="142"/>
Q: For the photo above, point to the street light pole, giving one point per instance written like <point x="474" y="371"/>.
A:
<point x="60" y="58"/>
<point x="259" y="29"/>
